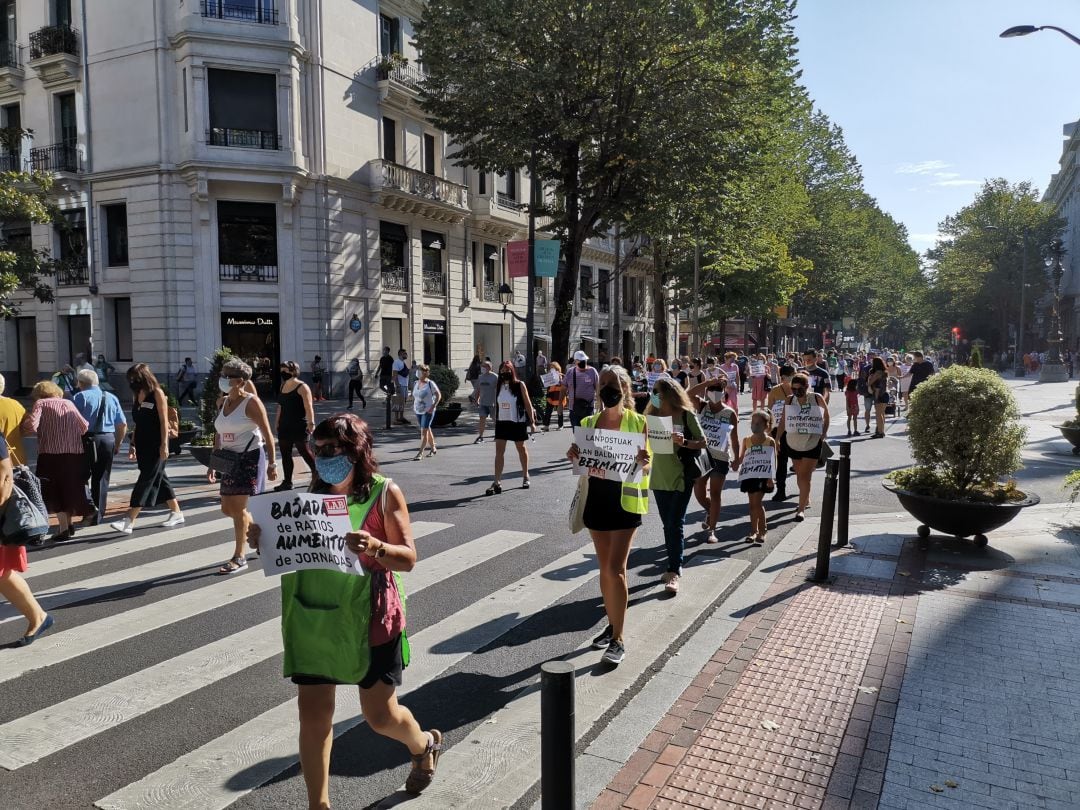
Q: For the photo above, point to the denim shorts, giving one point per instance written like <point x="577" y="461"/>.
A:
<point x="424" y="420"/>
<point x="486" y="410"/>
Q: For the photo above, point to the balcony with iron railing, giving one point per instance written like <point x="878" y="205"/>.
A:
<point x="10" y="55"/>
<point x="400" y="71"/>
<point x="631" y="308"/>
<point x="59" y="157"/>
<point x="258" y="12"/>
<point x="11" y="162"/>
<point x="72" y="272"/>
<point x="585" y="305"/>
<point x="395" y="279"/>
<point x="54" y="54"/>
<point x="604" y="306"/>
<point x="412" y="191"/>
<point x="489" y="291"/>
<point x="433" y="282"/>
<point x="506" y="202"/>
<point x="248" y="272"/>
<point x="243" y="138"/>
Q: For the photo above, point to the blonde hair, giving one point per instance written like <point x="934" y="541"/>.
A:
<point x="46" y="389"/>
<point x="661" y="361"/>
<point x="623" y="378"/>
<point x="673" y="393"/>
<point x="766" y="414"/>
<point x="555" y="365"/>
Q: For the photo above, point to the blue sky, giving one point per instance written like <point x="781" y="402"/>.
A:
<point x="932" y="101"/>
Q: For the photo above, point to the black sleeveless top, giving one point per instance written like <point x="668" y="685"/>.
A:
<point x="293" y="419"/>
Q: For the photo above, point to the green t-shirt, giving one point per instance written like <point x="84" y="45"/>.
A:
<point x="667" y="469"/>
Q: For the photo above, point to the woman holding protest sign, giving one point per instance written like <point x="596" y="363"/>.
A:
<point x="613" y="507"/>
<point x="341" y="628"/>
<point x="673" y="474"/>
<point x="803" y="428"/>
<point x="759" y="371"/>
<point x="720" y="424"/>
<point x="513" y="417"/>
<point x="758" y="474"/>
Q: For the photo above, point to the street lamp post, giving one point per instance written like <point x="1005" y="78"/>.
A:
<point x="1018" y="360"/>
<point x="1024" y="30"/>
<point x="1053" y="370"/>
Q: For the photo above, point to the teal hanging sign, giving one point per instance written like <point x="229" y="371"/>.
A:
<point x="547" y="252"/>
<point x="355" y="323"/>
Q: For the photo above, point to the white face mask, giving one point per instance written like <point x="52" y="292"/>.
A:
<point x="657" y="367"/>
<point x="224" y="384"/>
<point x="715" y="396"/>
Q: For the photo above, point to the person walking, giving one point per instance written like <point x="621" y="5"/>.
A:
<point x="186" y="378"/>
<point x="802" y="430"/>
<point x="731" y="371"/>
<point x="108" y="426"/>
<point x="356" y="383"/>
<point x="426" y="397"/>
<point x="556" y="398"/>
<point x="104" y="368"/>
<point x="13" y="564"/>
<point x="851" y="404"/>
<point x="317" y="374"/>
<point x="613" y="508"/>
<point x="11" y="415"/>
<point x="878" y="383"/>
<point x="386" y="373"/>
<point x="776" y="401"/>
<point x="59" y="428"/>
<point x="582" y="383"/>
<point x="759" y="372"/>
<point x="148" y="446"/>
<point x="241" y="426"/>
<point x="484" y="397"/>
<point x="720" y="424"/>
<point x="921" y="370"/>
<point x="673" y="474"/>
<point x="473" y="372"/>
<point x="342" y="629"/>
<point x="400" y="373"/>
<point x="758" y="452"/>
<point x="513" y="418"/>
<point x="64" y="379"/>
<point x="293" y="423"/>
<point x="905" y="381"/>
<point x="820" y="381"/>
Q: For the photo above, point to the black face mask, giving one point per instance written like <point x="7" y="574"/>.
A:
<point x="610" y="396"/>
<point x="504" y="377"/>
<point x="285" y="375"/>
<point x="581" y="364"/>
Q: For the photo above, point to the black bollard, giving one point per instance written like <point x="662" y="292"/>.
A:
<point x="828" y="508"/>
<point x="557" y="736"/>
<point x="388" y="398"/>
<point x="843" y="495"/>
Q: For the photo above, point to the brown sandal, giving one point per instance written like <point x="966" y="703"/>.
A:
<point x="420" y="777"/>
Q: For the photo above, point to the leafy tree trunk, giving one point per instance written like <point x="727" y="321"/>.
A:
<point x="660" y="322"/>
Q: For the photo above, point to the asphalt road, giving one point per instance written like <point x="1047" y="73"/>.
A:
<point x="161" y="685"/>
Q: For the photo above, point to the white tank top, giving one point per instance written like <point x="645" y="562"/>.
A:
<point x="237" y="429"/>
<point x="507" y="410"/>
<point x="804" y="424"/>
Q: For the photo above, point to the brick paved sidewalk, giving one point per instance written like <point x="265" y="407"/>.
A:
<point x="914" y="679"/>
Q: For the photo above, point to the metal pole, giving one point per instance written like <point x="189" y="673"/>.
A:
<point x="828" y="506"/>
<point x="616" y="302"/>
<point x="389" y="397"/>
<point x="843" y="495"/>
<point x="557" y="736"/>
<point x="530" y="355"/>
<point x="1018" y="366"/>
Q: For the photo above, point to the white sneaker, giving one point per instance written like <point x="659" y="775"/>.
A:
<point x="174" y="519"/>
<point x="125" y="526"/>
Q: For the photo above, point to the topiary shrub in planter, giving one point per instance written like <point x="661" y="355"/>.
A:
<point x="1071" y="429"/>
<point x="447" y="411"/>
<point x="965" y="435"/>
<point x="208" y="402"/>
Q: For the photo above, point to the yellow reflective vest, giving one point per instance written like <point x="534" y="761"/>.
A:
<point x="634" y="496"/>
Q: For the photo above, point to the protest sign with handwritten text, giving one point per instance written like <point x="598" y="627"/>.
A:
<point x="300" y="532"/>
<point x="608" y="454"/>
<point x="660" y="434"/>
<point x="759" y="461"/>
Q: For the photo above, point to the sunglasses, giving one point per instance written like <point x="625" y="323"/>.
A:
<point x="326" y="450"/>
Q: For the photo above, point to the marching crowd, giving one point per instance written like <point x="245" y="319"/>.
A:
<point x="683" y="416"/>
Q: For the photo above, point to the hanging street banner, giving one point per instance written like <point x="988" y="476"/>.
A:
<point x="660" y="434"/>
<point x="547" y="257"/>
<point x="302" y="532"/>
<point x="608" y="454"/>
<point x="517" y="259"/>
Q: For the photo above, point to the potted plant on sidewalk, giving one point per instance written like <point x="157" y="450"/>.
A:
<point x="448" y="382"/>
<point x="965" y="435"/>
<point x="203" y="444"/>
<point x="1071" y="429"/>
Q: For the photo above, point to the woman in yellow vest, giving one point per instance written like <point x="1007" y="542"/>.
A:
<point x="613" y="508"/>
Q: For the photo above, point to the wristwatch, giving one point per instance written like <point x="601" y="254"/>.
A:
<point x="382" y="549"/>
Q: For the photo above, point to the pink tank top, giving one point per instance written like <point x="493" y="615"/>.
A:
<point x="387" y="610"/>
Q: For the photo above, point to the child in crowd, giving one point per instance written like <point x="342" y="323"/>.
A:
<point x="757" y="475"/>
<point x="851" y="397"/>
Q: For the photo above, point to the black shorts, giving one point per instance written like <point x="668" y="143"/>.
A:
<point x="385" y="666"/>
<point x="755" y="485"/>
<point x="720" y="467"/>
<point x="511" y="431"/>
<point x="603" y="508"/>
<point x="814" y="452"/>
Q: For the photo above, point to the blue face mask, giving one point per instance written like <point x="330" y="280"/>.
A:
<point x="333" y="470"/>
<point x="654" y="400"/>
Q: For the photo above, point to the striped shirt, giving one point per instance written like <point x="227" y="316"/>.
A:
<point x="58" y="425"/>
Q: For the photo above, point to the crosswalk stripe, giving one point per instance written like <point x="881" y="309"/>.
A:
<point x="225" y="769"/>
<point x="55" y="648"/>
<point x="511" y="761"/>
<point x="139" y="541"/>
<point x="37" y="735"/>
<point x="120" y="579"/>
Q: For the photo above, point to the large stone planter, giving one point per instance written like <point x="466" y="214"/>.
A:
<point x="1072" y="435"/>
<point x="958" y="518"/>
<point x="446" y="415"/>
<point x="200" y="453"/>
